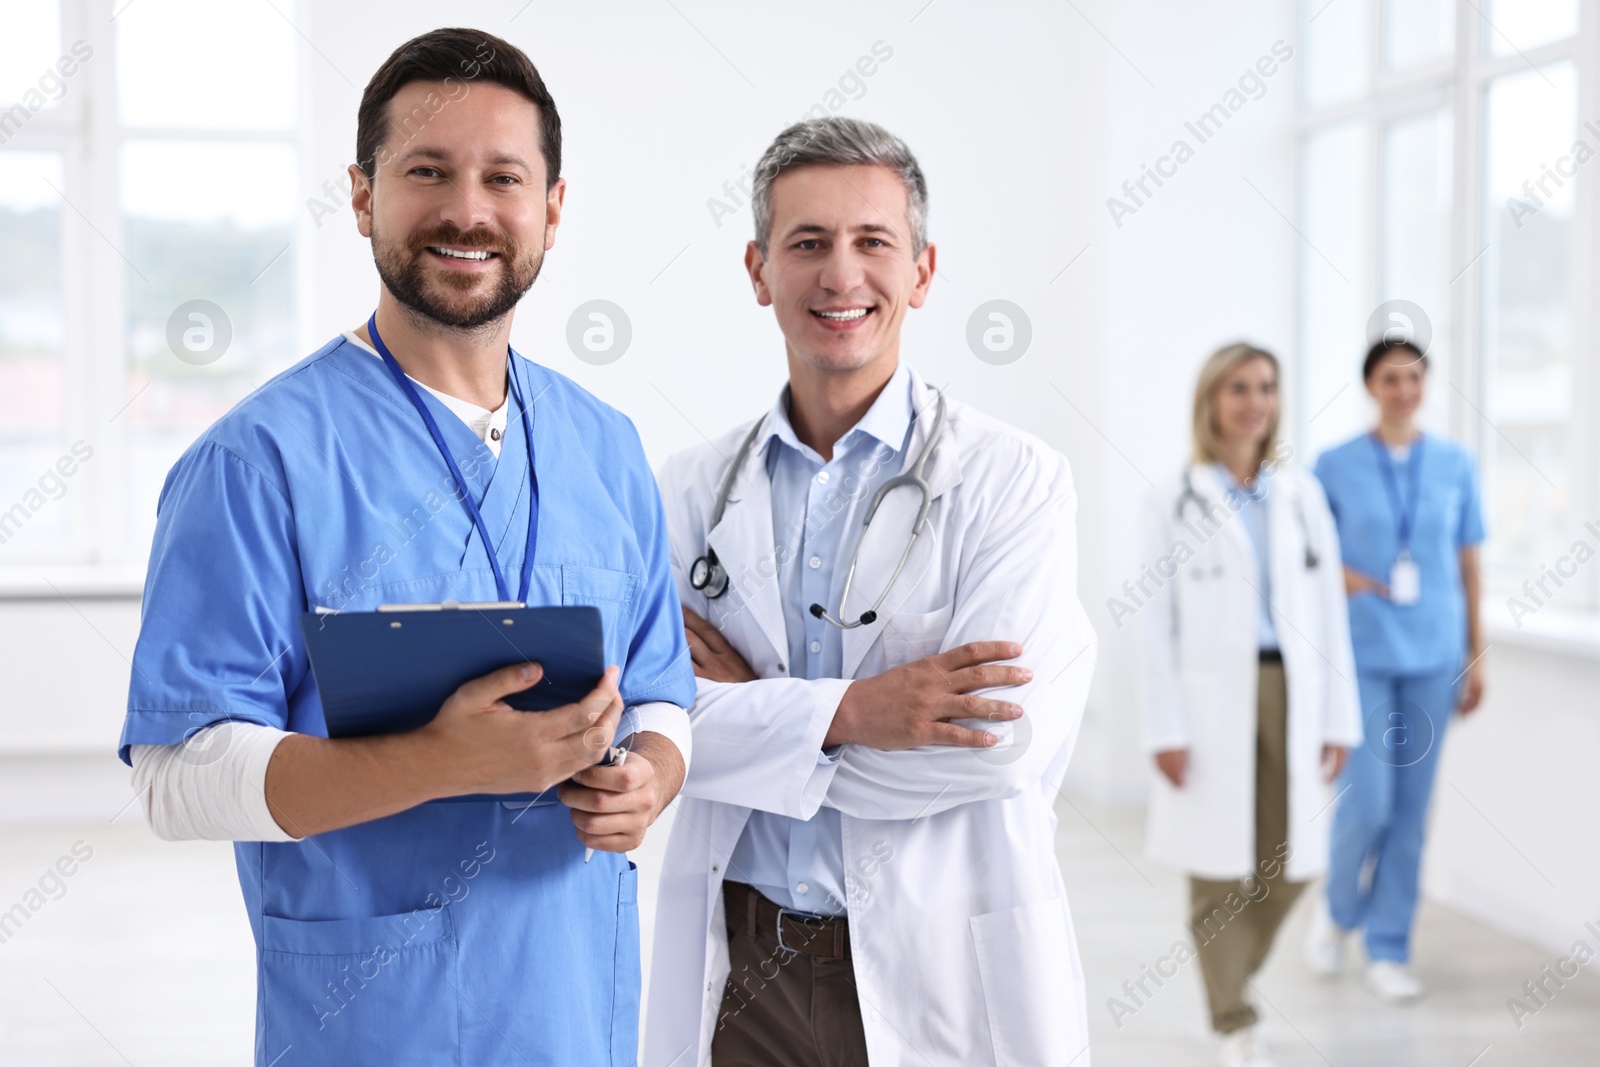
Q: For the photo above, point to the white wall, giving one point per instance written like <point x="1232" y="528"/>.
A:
<point x="1514" y="809"/>
<point x="1026" y="117"/>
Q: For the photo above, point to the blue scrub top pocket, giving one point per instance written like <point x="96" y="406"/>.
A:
<point x="364" y="990"/>
<point x="614" y="593"/>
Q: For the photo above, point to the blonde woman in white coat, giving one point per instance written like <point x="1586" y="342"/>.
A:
<point x="1250" y="699"/>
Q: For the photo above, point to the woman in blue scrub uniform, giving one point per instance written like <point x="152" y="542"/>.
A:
<point x="1406" y="505"/>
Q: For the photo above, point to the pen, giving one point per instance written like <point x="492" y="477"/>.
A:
<point x="615" y="758"/>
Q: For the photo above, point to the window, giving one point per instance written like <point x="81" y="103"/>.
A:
<point x="148" y="264"/>
<point x="1440" y="166"/>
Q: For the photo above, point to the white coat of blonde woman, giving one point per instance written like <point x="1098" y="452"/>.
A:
<point x="1250" y="699"/>
<point x="1200" y="669"/>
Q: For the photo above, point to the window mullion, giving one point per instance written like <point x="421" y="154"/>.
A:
<point x="105" y="360"/>
<point x="1584" y="442"/>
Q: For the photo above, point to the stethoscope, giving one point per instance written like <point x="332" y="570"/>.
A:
<point x="1189" y="496"/>
<point x="707" y="575"/>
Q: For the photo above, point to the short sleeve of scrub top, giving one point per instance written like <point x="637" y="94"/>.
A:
<point x="659" y="668"/>
<point x="226" y="540"/>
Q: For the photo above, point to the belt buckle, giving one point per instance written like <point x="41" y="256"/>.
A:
<point x="803" y="916"/>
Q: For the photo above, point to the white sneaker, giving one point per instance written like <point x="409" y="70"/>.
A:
<point x="1244" y="1048"/>
<point x="1393" y="981"/>
<point x="1324" y="942"/>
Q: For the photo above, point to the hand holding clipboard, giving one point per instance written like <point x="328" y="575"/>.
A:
<point x="466" y="674"/>
<point x="462" y="676"/>
<point x="507" y="752"/>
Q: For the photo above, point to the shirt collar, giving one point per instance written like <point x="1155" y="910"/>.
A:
<point x="1258" y="489"/>
<point x="887" y="420"/>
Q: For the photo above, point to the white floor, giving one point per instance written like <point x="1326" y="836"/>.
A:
<point x="1129" y="912"/>
<point x="143" y="957"/>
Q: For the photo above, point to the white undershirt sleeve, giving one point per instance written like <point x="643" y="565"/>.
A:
<point x="212" y="787"/>
<point x="659" y="717"/>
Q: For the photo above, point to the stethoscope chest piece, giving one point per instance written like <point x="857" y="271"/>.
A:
<point x="707" y="576"/>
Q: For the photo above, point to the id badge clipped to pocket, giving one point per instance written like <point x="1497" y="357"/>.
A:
<point x="1405" y="580"/>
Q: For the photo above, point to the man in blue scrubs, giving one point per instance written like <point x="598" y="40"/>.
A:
<point x="418" y="459"/>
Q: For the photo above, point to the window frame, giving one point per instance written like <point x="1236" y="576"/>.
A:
<point x="1461" y="83"/>
<point x="101" y="558"/>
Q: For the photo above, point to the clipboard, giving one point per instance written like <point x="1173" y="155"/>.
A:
<point x="390" y="670"/>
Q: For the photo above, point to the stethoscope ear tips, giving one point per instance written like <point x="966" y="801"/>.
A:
<point x="867" y="618"/>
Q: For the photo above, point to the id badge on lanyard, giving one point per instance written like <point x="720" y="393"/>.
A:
<point x="1405" y="577"/>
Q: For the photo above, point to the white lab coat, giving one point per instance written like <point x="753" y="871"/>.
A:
<point x="962" y="942"/>
<point x="1201" y="655"/>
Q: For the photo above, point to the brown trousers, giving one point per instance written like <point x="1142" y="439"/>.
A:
<point x="1234" y="922"/>
<point x="785" y="1009"/>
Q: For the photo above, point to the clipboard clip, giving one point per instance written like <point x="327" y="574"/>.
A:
<point x="457" y="605"/>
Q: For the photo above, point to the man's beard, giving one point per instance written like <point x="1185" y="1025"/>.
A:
<point x="406" y="273"/>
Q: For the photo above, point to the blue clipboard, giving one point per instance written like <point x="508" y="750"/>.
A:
<point x="390" y="670"/>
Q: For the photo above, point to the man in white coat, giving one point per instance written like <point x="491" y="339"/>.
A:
<point x="862" y="869"/>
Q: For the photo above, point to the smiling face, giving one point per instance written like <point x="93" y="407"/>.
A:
<point x="458" y="212"/>
<point x="1245" y="404"/>
<point x="1397" y="383"/>
<point x="839" y="270"/>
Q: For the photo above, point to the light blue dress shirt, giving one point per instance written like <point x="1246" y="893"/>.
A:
<point x="817" y="508"/>
<point x="1252" y="505"/>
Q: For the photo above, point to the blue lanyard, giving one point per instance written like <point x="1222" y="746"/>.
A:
<point x="455" y="471"/>
<point x="1391" y="485"/>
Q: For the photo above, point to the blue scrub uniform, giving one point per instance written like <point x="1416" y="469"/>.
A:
<point x="1409" y="659"/>
<point x="467" y="933"/>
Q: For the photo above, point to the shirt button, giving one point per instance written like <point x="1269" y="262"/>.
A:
<point x="494" y="434"/>
<point x="802" y="888"/>
<point x="822" y="477"/>
<point x="816" y="646"/>
<point x="814" y="562"/>
<point x="782" y="668"/>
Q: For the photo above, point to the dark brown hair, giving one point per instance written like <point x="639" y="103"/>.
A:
<point x="1380" y="349"/>
<point x="454" y="56"/>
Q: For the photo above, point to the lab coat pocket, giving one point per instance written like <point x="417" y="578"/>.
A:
<point x="1026" y="969"/>
<point x="909" y="636"/>
<point x="364" y="990"/>
<point x="626" y="977"/>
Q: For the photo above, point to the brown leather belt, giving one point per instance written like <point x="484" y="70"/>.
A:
<point x="795" y="931"/>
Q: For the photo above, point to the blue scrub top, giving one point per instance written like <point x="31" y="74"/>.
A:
<point x="1430" y="635"/>
<point x="459" y="932"/>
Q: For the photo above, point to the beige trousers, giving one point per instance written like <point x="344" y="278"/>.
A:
<point x="1234" y="922"/>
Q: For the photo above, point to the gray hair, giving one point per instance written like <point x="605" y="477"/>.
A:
<point x="840" y="142"/>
